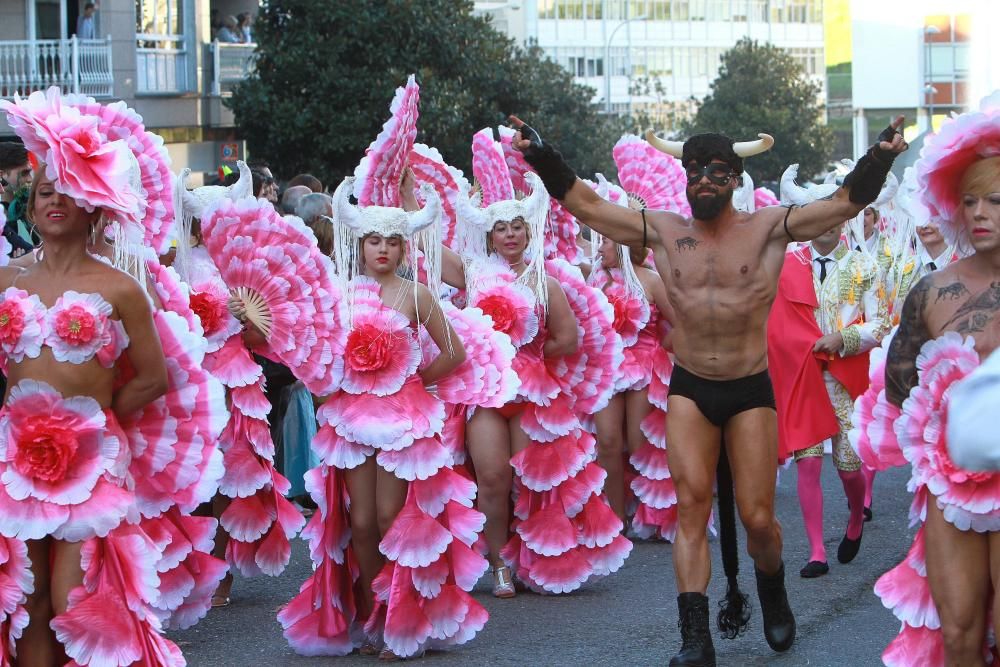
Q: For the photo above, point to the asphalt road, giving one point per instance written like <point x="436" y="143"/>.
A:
<point x="629" y="618"/>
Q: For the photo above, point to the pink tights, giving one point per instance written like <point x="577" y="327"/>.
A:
<point x="869" y="483"/>
<point x="811" y="499"/>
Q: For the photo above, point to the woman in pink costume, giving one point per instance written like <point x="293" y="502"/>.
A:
<point x="251" y="544"/>
<point x="563" y="530"/>
<point x="950" y="321"/>
<point x="638" y="299"/>
<point x="391" y="542"/>
<point x="64" y="323"/>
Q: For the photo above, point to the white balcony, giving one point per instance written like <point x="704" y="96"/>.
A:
<point x="161" y="65"/>
<point x="76" y="66"/>
<point x="231" y="63"/>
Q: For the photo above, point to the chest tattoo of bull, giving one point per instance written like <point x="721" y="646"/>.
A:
<point x="687" y="243"/>
<point x="953" y="291"/>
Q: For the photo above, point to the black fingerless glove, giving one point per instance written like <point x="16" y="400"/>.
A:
<point x="865" y="181"/>
<point x="557" y="176"/>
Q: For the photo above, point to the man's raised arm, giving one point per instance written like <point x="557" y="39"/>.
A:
<point x="618" y="223"/>
<point x="861" y="187"/>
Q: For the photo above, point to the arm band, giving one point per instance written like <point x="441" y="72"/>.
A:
<point x="643" y="212"/>
<point x="788" y="233"/>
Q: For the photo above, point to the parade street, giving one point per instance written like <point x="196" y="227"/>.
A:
<point x="629" y="618"/>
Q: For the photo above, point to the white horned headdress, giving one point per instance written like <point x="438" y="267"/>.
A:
<point x="495" y="202"/>
<point x="379" y="209"/>
<point x="191" y="204"/>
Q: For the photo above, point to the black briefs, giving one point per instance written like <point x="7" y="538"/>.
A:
<point x="720" y="400"/>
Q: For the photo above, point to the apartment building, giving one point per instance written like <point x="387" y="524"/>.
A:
<point x="157" y="55"/>
<point x="612" y="44"/>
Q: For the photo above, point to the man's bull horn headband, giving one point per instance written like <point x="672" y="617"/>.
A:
<point x="741" y="148"/>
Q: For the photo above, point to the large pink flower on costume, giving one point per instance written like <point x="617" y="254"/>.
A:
<point x="81" y="162"/>
<point x="79" y="327"/>
<point x="368" y="349"/>
<point x="381" y="351"/>
<point x="502" y="311"/>
<point x="631" y="312"/>
<point x="75" y="325"/>
<point x="211" y="311"/>
<point x="53" y="450"/>
<point x="22" y="324"/>
<point x="969" y="500"/>
<point x="511" y="307"/>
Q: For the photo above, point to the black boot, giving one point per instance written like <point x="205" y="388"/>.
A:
<point x="779" y="622"/>
<point x="696" y="649"/>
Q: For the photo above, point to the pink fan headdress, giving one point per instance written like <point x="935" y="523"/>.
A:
<point x="82" y="162"/>
<point x="376" y="186"/>
<point x="102" y="157"/>
<point x="378" y="175"/>
<point x="496" y="202"/>
<point x="430" y="168"/>
<point x="945" y="157"/>
<point x="651" y="179"/>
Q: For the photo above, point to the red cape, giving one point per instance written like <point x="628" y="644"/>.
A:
<point x="805" y="415"/>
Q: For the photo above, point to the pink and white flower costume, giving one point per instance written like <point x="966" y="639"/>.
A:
<point x="421" y="598"/>
<point x="275" y="264"/>
<point x="82" y="476"/>
<point x="563" y="530"/>
<point x="67" y="471"/>
<point x="886" y="436"/>
<point x="421" y="595"/>
<point x="968" y="500"/>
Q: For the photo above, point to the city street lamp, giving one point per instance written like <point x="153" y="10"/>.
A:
<point x="607" y="60"/>
<point x="929" y="90"/>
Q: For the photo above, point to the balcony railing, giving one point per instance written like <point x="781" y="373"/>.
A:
<point x="231" y="63"/>
<point x="161" y="65"/>
<point x="75" y="65"/>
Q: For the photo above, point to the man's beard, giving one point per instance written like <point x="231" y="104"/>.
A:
<point x="709" y="208"/>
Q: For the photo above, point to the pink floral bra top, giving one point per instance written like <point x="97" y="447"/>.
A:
<point x="77" y="328"/>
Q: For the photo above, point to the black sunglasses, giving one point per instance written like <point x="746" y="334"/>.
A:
<point x="719" y="174"/>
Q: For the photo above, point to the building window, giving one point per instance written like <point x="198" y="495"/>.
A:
<point x="161" y="54"/>
<point x="159" y="17"/>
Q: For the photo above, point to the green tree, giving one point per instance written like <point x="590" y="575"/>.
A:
<point x="326" y="71"/>
<point x="761" y="88"/>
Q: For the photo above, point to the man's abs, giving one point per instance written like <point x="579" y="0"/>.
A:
<point x="720" y="334"/>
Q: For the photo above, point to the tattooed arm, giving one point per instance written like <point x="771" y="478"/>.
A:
<point x="901" y="362"/>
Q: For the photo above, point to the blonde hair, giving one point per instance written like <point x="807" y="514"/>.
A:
<point x="982" y="177"/>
